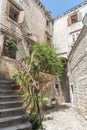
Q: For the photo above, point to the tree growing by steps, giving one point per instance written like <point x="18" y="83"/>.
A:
<point x="42" y="59"/>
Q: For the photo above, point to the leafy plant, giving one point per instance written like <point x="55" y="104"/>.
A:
<point x="11" y="43"/>
<point x="45" y="59"/>
<point x="35" y="121"/>
<point x="44" y="99"/>
<point x="19" y="78"/>
<point x="42" y="59"/>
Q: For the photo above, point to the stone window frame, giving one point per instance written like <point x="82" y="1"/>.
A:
<point x="74" y="18"/>
<point x="47" y="23"/>
<point x="17" y="8"/>
<point x="11" y="53"/>
<point x="14" y="13"/>
<point x="74" y="36"/>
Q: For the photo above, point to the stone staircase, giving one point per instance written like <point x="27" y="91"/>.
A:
<point x="12" y="113"/>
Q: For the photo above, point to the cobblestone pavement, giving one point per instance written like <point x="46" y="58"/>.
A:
<point x="64" y="117"/>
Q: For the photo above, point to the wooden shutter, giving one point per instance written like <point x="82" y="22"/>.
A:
<point x="21" y="17"/>
<point x="79" y="14"/>
<point x="69" y="21"/>
<point x="8" y="9"/>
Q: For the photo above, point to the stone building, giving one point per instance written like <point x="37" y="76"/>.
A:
<point x="67" y="27"/>
<point x="78" y="72"/>
<point x="24" y="21"/>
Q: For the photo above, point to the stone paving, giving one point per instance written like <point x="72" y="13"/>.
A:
<point x="64" y="117"/>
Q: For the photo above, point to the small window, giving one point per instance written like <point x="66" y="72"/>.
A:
<point x="47" y="23"/>
<point x="57" y="86"/>
<point x="74" y="18"/>
<point x="13" y="14"/>
<point x="73" y="38"/>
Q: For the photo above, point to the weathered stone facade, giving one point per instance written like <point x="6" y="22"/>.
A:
<point x="78" y="72"/>
<point x="67" y="27"/>
<point x="34" y="23"/>
<point x="31" y="25"/>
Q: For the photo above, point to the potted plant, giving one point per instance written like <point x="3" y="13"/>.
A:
<point x="17" y="87"/>
<point x="16" y="81"/>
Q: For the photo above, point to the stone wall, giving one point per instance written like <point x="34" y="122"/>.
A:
<point x="34" y="24"/>
<point x="63" y="33"/>
<point x="56" y="90"/>
<point x="78" y="72"/>
<point x="8" y="66"/>
<point x="31" y="30"/>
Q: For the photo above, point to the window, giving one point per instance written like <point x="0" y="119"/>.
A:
<point x="13" y="14"/>
<point x="57" y="86"/>
<point x="9" y="48"/>
<point x="47" y="23"/>
<point x="75" y="36"/>
<point x="74" y="18"/>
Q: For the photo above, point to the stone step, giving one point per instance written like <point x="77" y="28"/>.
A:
<point x="9" y="98"/>
<point x="10" y="104"/>
<point x="11" y="121"/>
<point x="23" y="126"/>
<point x="11" y="112"/>
<point x="4" y="76"/>
<point x="6" y="88"/>
<point x="8" y="92"/>
<point x="5" y="82"/>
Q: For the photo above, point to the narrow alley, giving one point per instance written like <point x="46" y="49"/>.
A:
<point x="64" y="117"/>
<point x="43" y="64"/>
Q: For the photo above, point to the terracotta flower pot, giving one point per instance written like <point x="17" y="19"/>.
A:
<point x="17" y="87"/>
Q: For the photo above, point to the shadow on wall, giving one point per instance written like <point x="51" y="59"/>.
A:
<point x="7" y="67"/>
<point x="65" y="89"/>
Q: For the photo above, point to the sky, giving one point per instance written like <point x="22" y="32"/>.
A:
<point x="57" y="7"/>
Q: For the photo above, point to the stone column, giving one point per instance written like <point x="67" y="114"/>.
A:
<point x="1" y="42"/>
